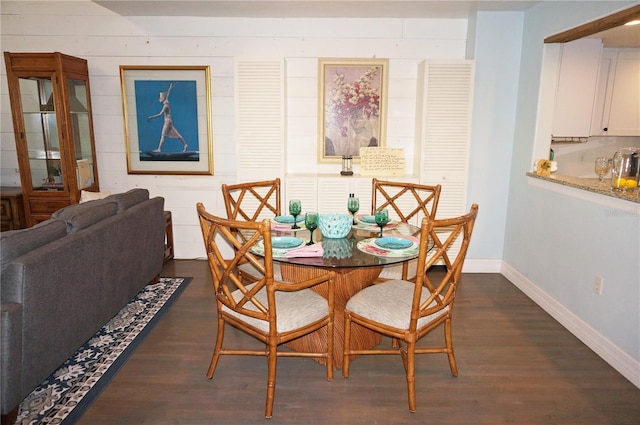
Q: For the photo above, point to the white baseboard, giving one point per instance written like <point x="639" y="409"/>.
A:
<point x="602" y="346"/>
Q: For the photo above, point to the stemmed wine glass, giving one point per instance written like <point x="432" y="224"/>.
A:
<point x="382" y="218"/>
<point x="311" y="223"/>
<point x="603" y="166"/>
<point x="295" y="207"/>
<point x="353" y="205"/>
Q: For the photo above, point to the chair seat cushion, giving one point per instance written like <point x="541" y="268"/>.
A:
<point x="389" y="303"/>
<point x="294" y="309"/>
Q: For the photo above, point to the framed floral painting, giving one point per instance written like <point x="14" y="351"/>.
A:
<point x="352" y="97"/>
<point x="167" y="119"/>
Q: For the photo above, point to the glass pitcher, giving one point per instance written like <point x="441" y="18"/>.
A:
<point x="624" y="174"/>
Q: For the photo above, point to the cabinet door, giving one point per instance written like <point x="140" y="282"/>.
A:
<point x="602" y="104"/>
<point x="445" y="137"/>
<point x="80" y="133"/>
<point x="334" y="191"/>
<point x="260" y="125"/>
<point x="576" y="89"/>
<point x="40" y="146"/>
<point x="624" y="112"/>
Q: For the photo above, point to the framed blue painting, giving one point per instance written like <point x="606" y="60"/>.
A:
<point x="167" y="119"/>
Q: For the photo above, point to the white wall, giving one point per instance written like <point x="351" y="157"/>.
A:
<point x="556" y="243"/>
<point x="498" y="38"/>
<point x="107" y="41"/>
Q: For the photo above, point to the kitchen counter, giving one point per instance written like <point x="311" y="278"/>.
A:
<point x="591" y="185"/>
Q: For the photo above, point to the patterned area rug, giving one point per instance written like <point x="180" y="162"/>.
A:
<point x="69" y="391"/>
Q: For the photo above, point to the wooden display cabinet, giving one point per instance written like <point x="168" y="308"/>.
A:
<point x="53" y="128"/>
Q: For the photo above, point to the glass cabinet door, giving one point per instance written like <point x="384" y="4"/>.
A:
<point x="81" y="131"/>
<point x="41" y="133"/>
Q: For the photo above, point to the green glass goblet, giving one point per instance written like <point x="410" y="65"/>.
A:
<point x="353" y="205"/>
<point x="295" y="207"/>
<point x="311" y="223"/>
<point x="382" y="218"/>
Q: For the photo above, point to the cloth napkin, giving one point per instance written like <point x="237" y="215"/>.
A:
<point x="282" y="227"/>
<point x="314" y="250"/>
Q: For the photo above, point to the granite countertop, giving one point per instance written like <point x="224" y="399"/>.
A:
<point x="591" y="185"/>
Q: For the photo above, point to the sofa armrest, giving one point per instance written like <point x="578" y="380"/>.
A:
<point x="10" y="356"/>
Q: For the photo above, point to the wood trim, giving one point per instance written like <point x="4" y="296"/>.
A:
<point x="596" y="26"/>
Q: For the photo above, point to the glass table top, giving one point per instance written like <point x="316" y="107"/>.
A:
<point x="360" y="248"/>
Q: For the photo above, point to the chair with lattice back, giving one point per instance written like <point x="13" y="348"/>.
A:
<point x="407" y="311"/>
<point x="270" y="310"/>
<point x="253" y="201"/>
<point x="406" y="202"/>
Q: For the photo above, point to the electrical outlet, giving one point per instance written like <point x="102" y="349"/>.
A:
<point x="598" y="283"/>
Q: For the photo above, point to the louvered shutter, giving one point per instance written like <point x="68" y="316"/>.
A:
<point x="259" y="93"/>
<point x="303" y="188"/>
<point x="444" y="130"/>
<point x="445" y="93"/>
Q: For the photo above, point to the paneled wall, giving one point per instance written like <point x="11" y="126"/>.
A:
<point x="107" y="41"/>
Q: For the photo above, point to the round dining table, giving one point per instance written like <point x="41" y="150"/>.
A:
<point x="357" y="261"/>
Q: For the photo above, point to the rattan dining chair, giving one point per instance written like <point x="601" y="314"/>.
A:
<point x="408" y="202"/>
<point x="272" y="311"/>
<point x="253" y="201"/>
<point x="407" y="311"/>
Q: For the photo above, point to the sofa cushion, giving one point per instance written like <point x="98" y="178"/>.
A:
<point x="128" y="199"/>
<point x="86" y="196"/>
<point x="15" y="243"/>
<point x="72" y="209"/>
<point x="81" y="216"/>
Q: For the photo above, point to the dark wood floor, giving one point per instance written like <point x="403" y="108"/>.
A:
<point x="517" y="366"/>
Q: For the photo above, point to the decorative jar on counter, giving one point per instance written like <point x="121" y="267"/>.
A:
<point x="624" y="172"/>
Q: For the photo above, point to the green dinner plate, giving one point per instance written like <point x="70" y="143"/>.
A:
<point x="288" y="219"/>
<point x="367" y="219"/>
<point x="393" y="243"/>
<point x="285" y="242"/>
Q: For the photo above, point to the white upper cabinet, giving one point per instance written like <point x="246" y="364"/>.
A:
<point x="576" y="90"/>
<point x="617" y="111"/>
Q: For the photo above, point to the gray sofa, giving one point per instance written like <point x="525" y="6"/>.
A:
<point x="64" y="278"/>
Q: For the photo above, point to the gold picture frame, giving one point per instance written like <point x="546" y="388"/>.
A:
<point x="352" y="106"/>
<point x="167" y="119"/>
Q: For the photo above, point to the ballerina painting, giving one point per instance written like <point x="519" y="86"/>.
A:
<point x="157" y="138"/>
<point x="167" y="119"/>
<point x="168" y="129"/>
